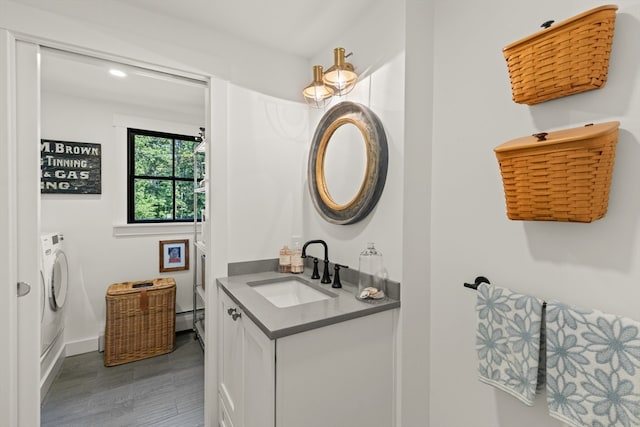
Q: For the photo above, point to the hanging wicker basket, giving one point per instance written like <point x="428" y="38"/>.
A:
<point x="559" y="176"/>
<point x="566" y="58"/>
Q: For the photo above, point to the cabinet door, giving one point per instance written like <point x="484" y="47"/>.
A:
<point x="224" y="420"/>
<point x="339" y="375"/>
<point x="259" y="377"/>
<point x="230" y="356"/>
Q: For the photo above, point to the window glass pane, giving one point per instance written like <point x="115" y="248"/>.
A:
<point x="184" y="200"/>
<point x="153" y="199"/>
<point x="153" y="156"/>
<point x="184" y="159"/>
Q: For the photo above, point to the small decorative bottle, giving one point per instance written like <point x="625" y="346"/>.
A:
<point x="284" y="264"/>
<point x="297" y="263"/>
<point x="372" y="276"/>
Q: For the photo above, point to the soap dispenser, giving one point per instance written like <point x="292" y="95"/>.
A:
<point x="372" y="275"/>
<point x="297" y="263"/>
<point x="284" y="260"/>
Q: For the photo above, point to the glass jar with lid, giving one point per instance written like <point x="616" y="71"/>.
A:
<point x="372" y="275"/>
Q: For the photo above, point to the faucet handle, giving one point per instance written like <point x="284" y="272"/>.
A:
<point x="336" y="276"/>
<point x="316" y="274"/>
<point x="326" y="277"/>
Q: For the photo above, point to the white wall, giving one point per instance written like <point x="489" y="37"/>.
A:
<point x="96" y="257"/>
<point x="414" y="350"/>
<point x="383" y="92"/>
<point x="379" y="57"/>
<point x="590" y="265"/>
<point x="269" y="141"/>
<point x="266" y="158"/>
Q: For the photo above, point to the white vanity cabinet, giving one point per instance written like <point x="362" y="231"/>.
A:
<point x="246" y="366"/>
<point x="340" y="375"/>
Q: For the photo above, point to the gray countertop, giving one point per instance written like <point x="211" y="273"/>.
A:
<point x="280" y="322"/>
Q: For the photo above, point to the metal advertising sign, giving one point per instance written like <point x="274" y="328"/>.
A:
<point x="70" y="167"/>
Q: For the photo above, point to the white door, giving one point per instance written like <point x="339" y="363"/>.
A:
<point x="8" y="269"/>
<point x="28" y="229"/>
<point x="19" y="230"/>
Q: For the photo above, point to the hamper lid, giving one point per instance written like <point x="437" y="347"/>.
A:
<point x="136" y="287"/>
<point x="558" y="137"/>
<point x="561" y="24"/>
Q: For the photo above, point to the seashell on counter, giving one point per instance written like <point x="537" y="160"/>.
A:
<point x="372" y="293"/>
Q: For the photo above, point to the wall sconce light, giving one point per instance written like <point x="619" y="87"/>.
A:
<point x="341" y="77"/>
<point x="317" y="94"/>
<point x="339" y="80"/>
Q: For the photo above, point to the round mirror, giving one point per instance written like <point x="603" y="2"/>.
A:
<point x="347" y="166"/>
<point x="345" y="163"/>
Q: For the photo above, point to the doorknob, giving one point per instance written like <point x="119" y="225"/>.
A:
<point x="23" y="289"/>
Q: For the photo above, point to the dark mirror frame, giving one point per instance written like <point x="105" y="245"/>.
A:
<point x="375" y="176"/>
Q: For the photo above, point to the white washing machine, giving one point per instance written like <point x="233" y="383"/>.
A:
<point x="55" y="278"/>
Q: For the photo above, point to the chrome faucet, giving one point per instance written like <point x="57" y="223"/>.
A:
<point x="325" y="273"/>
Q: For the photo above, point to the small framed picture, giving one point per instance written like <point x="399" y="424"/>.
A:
<point x="174" y="255"/>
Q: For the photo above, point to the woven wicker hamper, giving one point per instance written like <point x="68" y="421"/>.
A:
<point x="569" y="57"/>
<point x="140" y="320"/>
<point x="559" y="176"/>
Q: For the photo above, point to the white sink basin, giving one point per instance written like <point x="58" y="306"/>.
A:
<point x="289" y="291"/>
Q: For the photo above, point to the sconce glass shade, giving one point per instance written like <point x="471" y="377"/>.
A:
<point x="317" y="94"/>
<point x="341" y="77"/>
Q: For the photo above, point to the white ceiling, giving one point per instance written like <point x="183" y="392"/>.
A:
<point x="85" y="77"/>
<point x="299" y="27"/>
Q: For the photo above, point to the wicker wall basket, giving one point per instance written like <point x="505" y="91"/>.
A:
<point x="569" y="57"/>
<point x="140" y="320"/>
<point x="559" y="176"/>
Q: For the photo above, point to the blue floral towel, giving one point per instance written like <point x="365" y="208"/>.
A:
<point x="508" y="341"/>
<point x="593" y="367"/>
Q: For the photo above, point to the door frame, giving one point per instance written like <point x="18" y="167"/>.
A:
<point x="20" y="394"/>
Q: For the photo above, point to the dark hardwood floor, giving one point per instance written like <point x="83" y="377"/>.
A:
<point x="166" y="390"/>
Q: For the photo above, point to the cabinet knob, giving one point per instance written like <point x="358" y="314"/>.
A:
<point x="231" y="311"/>
<point x="235" y="316"/>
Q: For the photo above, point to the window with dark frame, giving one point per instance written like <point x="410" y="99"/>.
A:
<point x="160" y="177"/>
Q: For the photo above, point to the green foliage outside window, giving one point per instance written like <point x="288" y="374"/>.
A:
<point x="161" y="187"/>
